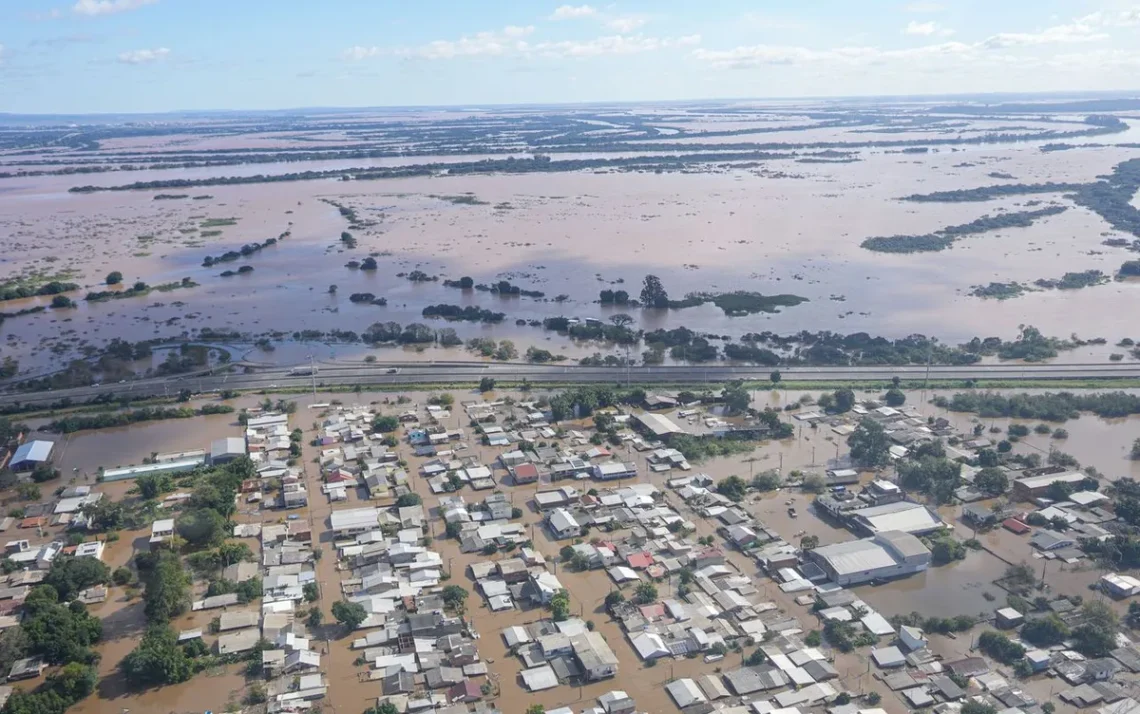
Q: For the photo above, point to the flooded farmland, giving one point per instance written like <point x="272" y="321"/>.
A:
<point x="785" y="227"/>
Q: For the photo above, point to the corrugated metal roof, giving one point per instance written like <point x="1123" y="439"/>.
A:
<point x="855" y="556"/>
<point x="32" y="451"/>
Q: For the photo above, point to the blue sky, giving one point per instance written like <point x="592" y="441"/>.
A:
<point x="161" y="55"/>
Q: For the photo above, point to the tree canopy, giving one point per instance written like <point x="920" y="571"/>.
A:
<point x="869" y="444"/>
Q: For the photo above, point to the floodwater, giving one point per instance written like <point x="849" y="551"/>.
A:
<point x="787" y="228"/>
<point x="954" y="589"/>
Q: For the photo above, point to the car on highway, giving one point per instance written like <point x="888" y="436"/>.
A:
<point x="392" y="370"/>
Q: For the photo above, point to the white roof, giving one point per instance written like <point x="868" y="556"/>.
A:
<point x="899" y="516"/>
<point x="353" y="518"/>
<point x="561" y="520"/>
<point x="685" y="692"/>
<point x="1035" y="482"/>
<point x="539" y="678"/>
<point x="855" y="556"/>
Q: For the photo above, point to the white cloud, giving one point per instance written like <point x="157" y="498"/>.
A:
<point x="358" y="53"/>
<point x="613" y="45"/>
<point x="108" y="7"/>
<point x="926" y="29"/>
<point x="759" y="55"/>
<point x="1103" y="18"/>
<point x="510" y="41"/>
<point x="1" y="54"/>
<point x="625" y="25"/>
<point x="922" y="6"/>
<point x="144" y="56"/>
<point x="483" y="44"/>
<point x="573" y="12"/>
<point x="1076" y="31"/>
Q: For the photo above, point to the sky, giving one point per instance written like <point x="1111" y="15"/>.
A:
<point x="111" y="56"/>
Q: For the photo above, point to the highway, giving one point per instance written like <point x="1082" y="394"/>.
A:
<point x="389" y="374"/>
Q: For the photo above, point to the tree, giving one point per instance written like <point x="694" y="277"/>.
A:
<point x="813" y="483"/>
<point x="621" y="320"/>
<point x="769" y="481"/>
<point x="614" y="597"/>
<point x="349" y="614"/>
<point x="385" y="424"/>
<point x="157" y="660"/>
<point x="152" y="486"/>
<point x="1000" y="647"/>
<point x="167" y="589"/>
<point x="487" y="384"/>
<point x="736" y="398"/>
<point x="114" y="277"/>
<point x="733" y="488"/>
<point x="454" y="597"/>
<point x="536" y="709"/>
<point x="775" y="377"/>
<point x="311" y="592"/>
<point x="895" y="397"/>
<point x="73" y="681"/>
<point x="844" y="400"/>
<point x="409" y="499"/>
<point x="645" y="593"/>
<point x="315" y="618"/>
<point x="988" y="458"/>
<point x="230" y="553"/>
<point x="1045" y="631"/>
<point x="653" y="292"/>
<point x="869" y="444"/>
<point x="203" y="527"/>
<point x="809" y="542"/>
<point x="992" y="481"/>
<point x="1096" y="636"/>
<point x="62" y="301"/>
<point x="560" y="605"/>
<point x="70" y="575"/>
<point x="59" y="633"/>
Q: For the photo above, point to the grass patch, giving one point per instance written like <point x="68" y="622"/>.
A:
<point x="218" y="222"/>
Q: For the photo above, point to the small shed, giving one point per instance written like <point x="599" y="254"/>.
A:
<point x="1008" y="618"/>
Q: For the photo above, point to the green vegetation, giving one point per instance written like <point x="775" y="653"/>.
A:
<point x="469" y="313"/>
<point x="928" y="471"/>
<point x="1129" y="269"/>
<point x="870" y="447"/>
<point x="1051" y="406"/>
<point x="999" y="291"/>
<point x="1000" y="647"/>
<point x="244" y="252"/>
<point x="35" y="285"/>
<point x="944" y="238"/>
<point x="1074" y="281"/>
<point x="73" y="423"/>
<point x="137" y="290"/>
<point x="349" y="614"/>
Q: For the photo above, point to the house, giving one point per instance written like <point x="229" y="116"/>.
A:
<point x="912" y="638"/>
<point x="685" y="693"/>
<point x="26" y="668"/>
<point x="562" y="524"/>
<point x="31" y="454"/>
<point x="524" y="473"/>
<point x="90" y="549"/>
<point x="598" y="661"/>
<point x="657" y="426"/>
<point x="541" y="588"/>
<point x="1120" y="586"/>
<point x="1047" y="540"/>
<point x="354" y="521"/>
<point x="613" y="470"/>
<point x="161" y="531"/>
<point x="227" y="449"/>
<point x="1007" y="618"/>
<point x="1030" y="487"/>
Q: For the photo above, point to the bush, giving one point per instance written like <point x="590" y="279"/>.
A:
<point x="114" y="277"/>
<point x="122" y="575"/>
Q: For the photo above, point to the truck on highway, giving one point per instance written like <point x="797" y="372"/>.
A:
<point x="302" y="371"/>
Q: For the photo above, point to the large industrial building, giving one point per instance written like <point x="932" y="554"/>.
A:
<point x="889" y="554"/>
<point x="913" y="518"/>
<point x="31" y="454"/>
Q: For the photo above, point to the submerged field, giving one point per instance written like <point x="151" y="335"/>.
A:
<point x="788" y="223"/>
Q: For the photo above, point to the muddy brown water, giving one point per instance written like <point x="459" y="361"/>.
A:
<point x="953" y="589"/>
<point x="573" y="234"/>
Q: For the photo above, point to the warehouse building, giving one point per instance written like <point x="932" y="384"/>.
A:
<point x="913" y="518"/>
<point x="31" y="454"/>
<point x="656" y="425"/>
<point x="890" y="554"/>
<point x="223" y="451"/>
<point x="1030" y="487"/>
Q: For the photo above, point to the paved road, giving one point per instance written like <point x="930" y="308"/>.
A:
<point x="395" y="373"/>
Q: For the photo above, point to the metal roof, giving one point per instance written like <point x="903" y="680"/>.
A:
<point x="900" y="516"/>
<point x="855" y="556"/>
<point x="658" y="424"/>
<point x="32" y="451"/>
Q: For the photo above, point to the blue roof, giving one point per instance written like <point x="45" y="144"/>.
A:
<point x="35" y="451"/>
